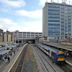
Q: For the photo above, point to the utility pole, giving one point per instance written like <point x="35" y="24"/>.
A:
<point x="64" y="1"/>
<point x="51" y="1"/>
<point x="46" y="0"/>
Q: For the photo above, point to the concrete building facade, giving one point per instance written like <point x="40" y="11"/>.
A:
<point x="22" y="36"/>
<point x="1" y="35"/>
<point x="8" y="37"/>
<point x="57" y="21"/>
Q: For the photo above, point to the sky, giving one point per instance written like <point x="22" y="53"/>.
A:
<point x="22" y="15"/>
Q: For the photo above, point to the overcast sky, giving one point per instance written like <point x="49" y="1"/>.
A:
<point x="22" y="15"/>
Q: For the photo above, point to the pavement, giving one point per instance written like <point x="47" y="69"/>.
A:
<point x="69" y="61"/>
<point x="6" y="64"/>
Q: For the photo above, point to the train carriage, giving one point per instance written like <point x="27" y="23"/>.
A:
<point x="56" y="55"/>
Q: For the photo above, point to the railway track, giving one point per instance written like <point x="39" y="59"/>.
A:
<point x="50" y="68"/>
<point x="66" y="67"/>
<point x="20" y="64"/>
<point x="45" y="64"/>
<point x="47" y="67"/>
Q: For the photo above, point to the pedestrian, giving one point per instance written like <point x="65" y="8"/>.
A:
<point x="14" y="51"/>
<point x="8" y="59"/>
<point x="5" y="57"/>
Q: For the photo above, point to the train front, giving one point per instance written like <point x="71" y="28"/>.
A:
<point x="60" y="57"/>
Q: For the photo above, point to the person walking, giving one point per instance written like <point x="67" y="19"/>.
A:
<point x="8" y="59"/>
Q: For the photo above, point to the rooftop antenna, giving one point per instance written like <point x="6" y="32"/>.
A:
<point x="69" y="2"/>
<point x="51" y="1"/>
<point x="57" y="1"/>
<point x="64" y="1"/>
<point x="46" y="0"/>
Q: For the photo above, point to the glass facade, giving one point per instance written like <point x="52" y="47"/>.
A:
<point x="66" y="21"/>
<point x="53" y="20"/>
<point x="59" y="20"/>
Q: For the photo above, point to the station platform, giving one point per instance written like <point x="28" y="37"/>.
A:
<point x="13" y="61"/>
<point x="59" y="45"/>
<point x="69" y="61"/>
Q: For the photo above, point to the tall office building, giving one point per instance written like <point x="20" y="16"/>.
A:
<point x="57" y="20"/>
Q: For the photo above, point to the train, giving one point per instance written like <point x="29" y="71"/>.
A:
<point x="56" y="55"/>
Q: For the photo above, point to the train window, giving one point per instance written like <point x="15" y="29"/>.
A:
<point x="61" y="55"/>
<point x="47" y="50"/>
<point x="53" y="55"/>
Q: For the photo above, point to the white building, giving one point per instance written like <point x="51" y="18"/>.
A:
<point x="21" y="36"/>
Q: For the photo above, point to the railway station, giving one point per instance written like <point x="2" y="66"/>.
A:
<point x="47" y="50"/>
<point x="41" y="61"/>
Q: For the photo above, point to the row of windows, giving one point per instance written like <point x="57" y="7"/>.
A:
<point x="53" y="6"/>
<point x="69" y="30"/>
<point x="29" y="33"/>
<point x="52" y="13"/>
<point x="69" y="22"/>
<point x="62" y="29"/>
<point x="53" y="34"/>
<point x="53" y="20"/>
<point x="54" y="10"/>
<point x="53" y="31"/>
<point x="53" y="27"/>
<point x="49" y="24"/>
<point x="62" y="22"/>
<point x="69" y="19"/>
<point x="62" y="26"/>
<point x="55" y="17"/>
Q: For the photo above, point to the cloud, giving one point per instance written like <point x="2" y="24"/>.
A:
<point x="13" y="3"/>
<point x="30" y="14"/>
<point x="6" y="23"/>
<point x="42" y="2"/>
<point x="3" y="10"/>
<point x="31" y="26"/>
